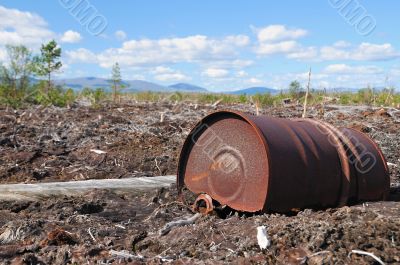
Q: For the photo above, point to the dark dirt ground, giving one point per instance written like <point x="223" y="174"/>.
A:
<point x="144" y="139"/>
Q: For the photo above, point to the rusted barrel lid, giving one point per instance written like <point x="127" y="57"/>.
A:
<point x="260" y="163"/>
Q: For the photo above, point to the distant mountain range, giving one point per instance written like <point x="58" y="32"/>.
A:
<point x="140" y="85"/>
<point x="188" y="88"/>
<point x="130" y="85"/>
<point x="95" y="82"/>
<point x="254" y="90"/>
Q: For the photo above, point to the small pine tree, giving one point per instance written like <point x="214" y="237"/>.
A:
<point x="48" y="62"/>
<point x="294" y="89"/>
<point x="116" y="80"/>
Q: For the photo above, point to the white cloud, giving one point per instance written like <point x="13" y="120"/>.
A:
<point x="120" y="35"/>
<point x="304" y="76"/>
<point x="241" y="74"/>
<point x="303" y="53"/>
<point x="167" y="74"/>
<point x="328" y="53"/>
<point x="196" y="48"/>
<point x="162" y="70"/>
<point x="81" y="55"/>
<point x="338" y="51"/>
<point x="276" y="48"/>
<point x="254" y="81"/>
<point x="238" y="40"/>
<point x="375" y="52"/>
<point x="275" y="33"/>
<point x="347" y="69"/>
<point x="228" y="64"/>
<point x="278" y="39"/>
<point x="71" y="36"/>
<point x="342" y="44"/>
<point x="18" y="27"/>
<point x="172" y="77"/>
<point x="215" y="73"/>
<point x="363" y="52"/>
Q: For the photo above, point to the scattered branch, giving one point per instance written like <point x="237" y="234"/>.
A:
<point x="99" y="152"/>
<point x="126" y="255"/>
<point x="216" y="103"/>
<point x="162" y="116"/>
<point x="168" y="227"/>
<point x="91" y="235"/>
<point x="306" y="97"/>
<point x="257" y="108"/>
<point x="360" y="252"/>
<point x="158" y="166"/>
<point x="120" y="226"/>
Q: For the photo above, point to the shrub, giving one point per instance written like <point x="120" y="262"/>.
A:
<point x="243" y="99"/>
<point x="56" y="96"/>
<point x="177" y="96"/>
<point x="365" y="96"/>
<point x="264" y="99"/>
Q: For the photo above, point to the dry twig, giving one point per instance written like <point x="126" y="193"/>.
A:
<point x="168" y="227"/>
<point x="308" y="91"/>
<point x="91" y="235"/>
<point x="372" y="255"/>
<point x="126" y="255"/>
<point x="158" y="166"/>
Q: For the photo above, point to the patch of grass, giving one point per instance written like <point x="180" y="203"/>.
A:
<point x="148" y="96"/>
<point x="62" y="97"/>
<point x="263" y="100"/>
<point x="208" y="98"/>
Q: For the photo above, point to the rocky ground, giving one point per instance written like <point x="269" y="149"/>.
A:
<point x="144" y="139"/>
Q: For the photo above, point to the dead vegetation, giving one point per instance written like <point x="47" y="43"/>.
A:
<point x="143" y="139"/>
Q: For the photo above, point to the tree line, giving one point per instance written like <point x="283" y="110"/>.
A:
<point x="21" y="66"/>
<point x="17" y="88"/>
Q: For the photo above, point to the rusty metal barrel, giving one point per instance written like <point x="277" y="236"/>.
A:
<point x="265" y="164"/>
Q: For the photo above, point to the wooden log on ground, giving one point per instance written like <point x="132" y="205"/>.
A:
<point x="41" y="191"/>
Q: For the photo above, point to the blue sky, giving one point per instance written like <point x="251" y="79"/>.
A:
<point x="221" y="45"/>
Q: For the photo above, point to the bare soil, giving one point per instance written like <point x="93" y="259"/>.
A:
<point x="144" y="139"/>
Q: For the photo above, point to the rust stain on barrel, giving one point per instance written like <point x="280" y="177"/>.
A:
<point x="260" y="163"/>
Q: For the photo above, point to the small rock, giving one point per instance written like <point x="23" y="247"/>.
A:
<point x="59" y="237"/>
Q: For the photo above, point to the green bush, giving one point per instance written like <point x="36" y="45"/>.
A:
<point x="7" y="99"/>
<point x="56" y="96"/>
<point x="243" y="99"/>
<point x="264" y="99"/>
<point x="96" y="96"/>
<point x="99" y="95"/>
<point x="177" y="96"/>
<point x="365" y="96"/>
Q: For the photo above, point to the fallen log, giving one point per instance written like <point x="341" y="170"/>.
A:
<point x="40" y="191"/>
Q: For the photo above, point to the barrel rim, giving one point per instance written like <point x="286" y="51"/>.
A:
<point x="185" y="150"/>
